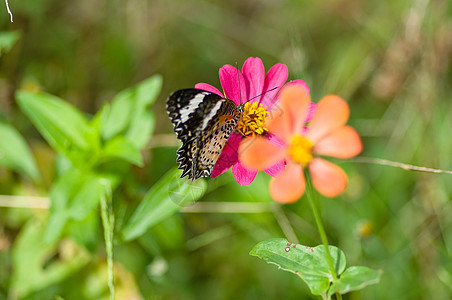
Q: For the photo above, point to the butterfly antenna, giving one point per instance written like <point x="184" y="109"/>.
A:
<point x="238" y="79"/>
<point x="240" y="91"/>
<point x="264" y="93"/>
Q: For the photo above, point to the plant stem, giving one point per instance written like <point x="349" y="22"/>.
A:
<point x="108" y="222"/>
<point x="311" y="194"/>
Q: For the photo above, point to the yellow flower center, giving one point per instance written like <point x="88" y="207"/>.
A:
<point x="253" y="119"/>
<point x="300" y="150"/>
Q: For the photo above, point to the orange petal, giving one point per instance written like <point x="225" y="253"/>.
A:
<point x="342" y="143"/>
<point x="332" y="113"/>
<point x="327" y="178"/>
<point x="289" y="186"/>
<point x="259" y="153"/>
<point x="289" y="113"/>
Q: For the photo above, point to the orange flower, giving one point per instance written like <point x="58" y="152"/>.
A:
<point x="326" y="134"/>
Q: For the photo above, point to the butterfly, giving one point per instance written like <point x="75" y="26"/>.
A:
<point x="203" y="122"/>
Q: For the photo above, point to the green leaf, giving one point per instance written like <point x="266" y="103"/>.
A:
<point x="121" y="148"/>
<point x="7" y="40"/>
<point x="60" y="195"/>
<point x="355" y="278"/>
<point x="309" y="263"/>
<point x="60" y="123"/>
<point x="72" y="197"/>
<point x="87" y="197"/>
<point x="32" y="268"/>
<point x="141" y="129"/>
<point x="148" y="90"/>
<point x="129" y="105"/>
<point x="119" y="114"/>
<point x="86" y="231"/>
<point x="169" y="233"/>
<point x="165" y="198"/>
<point x="14" y="152"/>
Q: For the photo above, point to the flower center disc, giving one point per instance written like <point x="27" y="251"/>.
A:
<point x="300" y="150"/>
<point x="253" y="119"/>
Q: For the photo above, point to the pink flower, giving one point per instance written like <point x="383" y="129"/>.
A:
<point x="250" y="85"/>
<point x="327" y="135"/>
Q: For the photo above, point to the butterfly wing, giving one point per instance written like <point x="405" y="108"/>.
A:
<point x="213" y="140"/>
<point x="203" y="122"/>
<point x="187" y="109"/>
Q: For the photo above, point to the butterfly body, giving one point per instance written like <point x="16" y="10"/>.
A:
<point x="203" y="122"/>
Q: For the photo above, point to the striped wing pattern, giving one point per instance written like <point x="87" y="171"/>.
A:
<point x="203" y="122"/>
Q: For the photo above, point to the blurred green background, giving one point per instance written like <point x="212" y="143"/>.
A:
<point x="389" y="59"/>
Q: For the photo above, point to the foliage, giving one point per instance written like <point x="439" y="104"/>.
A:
<point x="310" y="264"/>
<point x="164" y="199"/>
<point x="33" y="269"/>
<point x="389" y="60"/>
<point x="7" y="40"/>
<point x="14" y="152"/>
<point x="96" y="152"/>
<point x="95" y="157"/>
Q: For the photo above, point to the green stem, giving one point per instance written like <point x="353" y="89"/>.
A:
<point x="311" y="194"/>
<point x="108" y="222"/>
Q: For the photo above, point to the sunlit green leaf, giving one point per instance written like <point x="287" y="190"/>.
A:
<point x="165" y="198"/>
<point x="7" y="40"/>
<point x="149" y="242"/>
<point x="129" y="105"/>
<point x="72" y="197"/>
<point x="141" y="129"/>
<point x="59" y="199"/>
<point x="14" y="152"/>
<point x="60" y="123"/>
<point x="119" y="114"/>
<point x="86" y="231"/>
<point x="309" y="263"/>
<point x="355" y="278"/>
<point x="169" y="233"/>
<point x="121" y="148"/>
<point x="148" y="90"/>
<point x="32" y="268"/>
<point x="87" y="197"/>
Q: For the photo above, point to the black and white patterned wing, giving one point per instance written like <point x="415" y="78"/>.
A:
<point x="203" y="122"/>
<point x="214" y="139"/>
<point x="187" y="109"/>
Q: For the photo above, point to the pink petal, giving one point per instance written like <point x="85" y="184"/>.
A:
<point x="209" y="88"/>
<point x="299" y="81"/>
<point x="311" y="111"/>
<point x="312" y="106"/>
<point x="275" y="140"/>
<point x="258" y="153"/>
<point x="229" y="78"/>
<point x="276" y="169"/>
<point x="342" y="143"/>
<point x="289" y="115"/>
<point x="332" y="113"/>
<point x="243" y="175"/>
<point x="222" y="167"/>
<point x="229" y="155"/>
<point x="289" y="186"/>
<point x="327" y="178"/>
<point x="254" y="73"/>
<point x="276" y="77"/>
